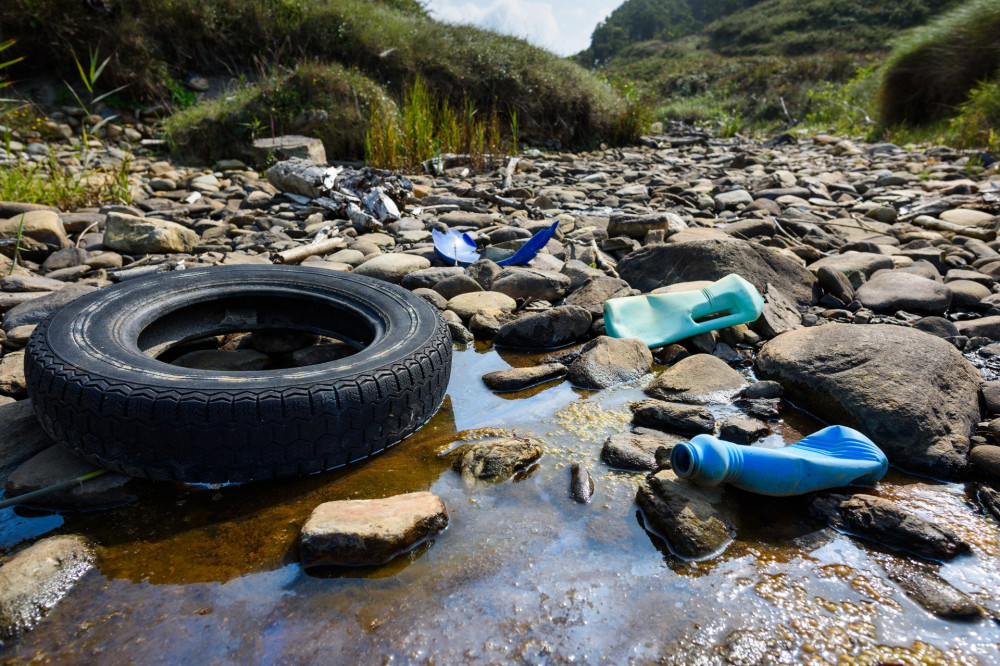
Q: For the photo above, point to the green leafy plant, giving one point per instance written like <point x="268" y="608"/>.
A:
<point x="4" y="65"/>
<point x="428" y="126"/>
<point x="89" y="76"/>
<point x="17" y="245"/>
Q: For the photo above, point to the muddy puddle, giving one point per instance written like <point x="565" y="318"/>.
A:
<point x="522" y="575"/>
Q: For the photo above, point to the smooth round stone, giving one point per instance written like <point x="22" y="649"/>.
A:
<point x="967" y="217"/>
<point x="466" y="305"/>
<point x="392" y="267"/>
<point x="966" y="293"/>
<point x="898" y="290"/>
<point x="352" y="257"/>
<point x="986" y="458"/>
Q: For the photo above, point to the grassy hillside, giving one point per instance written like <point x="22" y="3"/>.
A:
<point x="799" y="27"/>
<point x="815" y="60"/>
<point x="366" y="50"/>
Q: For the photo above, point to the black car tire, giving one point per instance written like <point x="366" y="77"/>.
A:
<point x="98" y="389"/>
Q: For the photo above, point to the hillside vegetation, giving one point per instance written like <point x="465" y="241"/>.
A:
<point x="861" y="67"/>
<point x="357" y="52"/>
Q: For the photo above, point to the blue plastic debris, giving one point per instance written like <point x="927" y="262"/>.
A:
<point x="833" y="457"/>
<point x="458" y="249"/>
<point x="658" y="319"/>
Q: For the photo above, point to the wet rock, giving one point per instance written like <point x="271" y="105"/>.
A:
<point x="237" y="360"/>
<point x="912" y="393"/>
<point x="21" y="437"/>
<point x="39" y="310"/>
<point x="990" y="499"/>
<point x="592" y="294"/>
<point x="763" y="389"/>
<point x="658" y="265"/>
<point x="545" y="330"/>
<point x="887" y="523"/>
<point x="606" y="361"/>
<point x="636" y="452"/>
<point x="516" y="379"/>
<point x="896" y="290"/>
<point x="130" y="234"/>
<point x="700" y="379"/>
<point x="43" y="226"/>
<point x="496" y="460"/>
<point x="673" y="417"/>
<point x="521" y="283"/>
<point x="694" y="521"/>
<point x="392" y="267"/>
<point x="743" y="430"/>
<point x="12" y="382"/>
<point x="932" y="592"/>
<point x="761" y="408"/>
<point x="36" y="579"/>
<point x="369" y="532"/>
<point x="54" y="465"/>
<point x="581" y="485"/>
<point x="460" y="335"/>
<point x="467" y="305"/>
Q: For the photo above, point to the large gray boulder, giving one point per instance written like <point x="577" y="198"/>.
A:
<point x="659" y="265"/>
<point x="912" y="393"/>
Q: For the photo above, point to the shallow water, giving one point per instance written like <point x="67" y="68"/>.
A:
<point x="522" y="574"/>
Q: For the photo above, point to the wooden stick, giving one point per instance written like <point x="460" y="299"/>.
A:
<point x="297" y="254"/>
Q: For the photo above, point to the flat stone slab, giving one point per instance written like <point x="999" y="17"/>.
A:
<point x="369" y="532"/>
<point x="897" y="290"/>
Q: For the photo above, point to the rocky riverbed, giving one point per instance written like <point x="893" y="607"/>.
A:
<point x="567" y="533"/>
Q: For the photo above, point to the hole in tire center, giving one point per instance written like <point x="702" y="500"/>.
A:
<point x="257" y="333"/>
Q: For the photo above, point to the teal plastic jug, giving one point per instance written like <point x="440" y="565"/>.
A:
<point x="658" y="319"/>
<point x="833" y="457"/>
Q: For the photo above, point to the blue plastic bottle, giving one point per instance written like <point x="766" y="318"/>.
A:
<point x="833" y="457"/>
<point x="658" y="319"/>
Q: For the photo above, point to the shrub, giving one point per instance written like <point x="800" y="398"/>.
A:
<point x="933" y="68"/>
<point x="225" y="126"/>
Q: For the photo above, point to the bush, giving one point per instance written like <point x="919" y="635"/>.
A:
<point x="217" y="129"/>
<point x="933" y="68"/>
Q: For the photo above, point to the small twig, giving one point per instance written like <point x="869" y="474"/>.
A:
<point x="21" y="499"/>
<point x="84" y="233"/>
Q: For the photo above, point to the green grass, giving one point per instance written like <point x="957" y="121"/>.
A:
<point x="52" y="184"/>
<point x="801" y="27"/>
<point x="388" y="43"/>
<point x="932" y="69"/>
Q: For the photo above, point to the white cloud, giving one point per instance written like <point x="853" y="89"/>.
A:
<point x="561" y="26"/>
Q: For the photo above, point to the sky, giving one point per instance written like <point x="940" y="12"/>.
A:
<point x="561" y="26"/>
